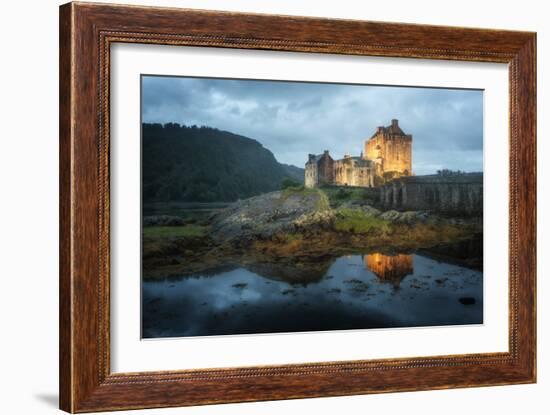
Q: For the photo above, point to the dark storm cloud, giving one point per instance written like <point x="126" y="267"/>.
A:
<point x="293" y="119"/>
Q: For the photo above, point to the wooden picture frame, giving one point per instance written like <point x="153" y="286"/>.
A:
<point x="86" y="33"/>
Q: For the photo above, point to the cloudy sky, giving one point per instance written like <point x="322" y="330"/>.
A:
<point x="293" y="119"/>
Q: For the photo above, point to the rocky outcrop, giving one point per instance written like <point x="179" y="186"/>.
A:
<point x="264" y="216"/>
<point x="408" y="217"/>
<point x="273" y="214"/>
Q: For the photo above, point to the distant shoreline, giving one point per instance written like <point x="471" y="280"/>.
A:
<point x="187" y="205"/>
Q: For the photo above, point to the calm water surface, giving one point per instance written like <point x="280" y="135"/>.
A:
<point x="349" y="292"/>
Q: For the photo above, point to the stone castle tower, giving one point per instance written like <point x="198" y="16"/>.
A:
<point x="391" y="149"/>
<point x="387" y="155"/>
<point x="319" y="170"/>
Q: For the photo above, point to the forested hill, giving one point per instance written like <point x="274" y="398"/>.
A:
<point x="202" y="164"/>
<point x="295" y="173"/>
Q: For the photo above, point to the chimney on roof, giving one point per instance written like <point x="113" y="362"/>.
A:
<point x="394" y="123"/>
<point x="379" y="129"/>
<point x="325" y="152"/>
<point x="311" y="157"/>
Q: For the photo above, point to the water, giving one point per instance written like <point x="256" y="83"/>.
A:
<point x="193" y="211"/>
<point x="349" y="292"/>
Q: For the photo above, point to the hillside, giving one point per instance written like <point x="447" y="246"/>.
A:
<point x="294" y="173"/>
<point x="202" y="164"/>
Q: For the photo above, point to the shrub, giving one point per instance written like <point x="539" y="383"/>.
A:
<point x="287" y="183"/>
<point x="341" y="195"/>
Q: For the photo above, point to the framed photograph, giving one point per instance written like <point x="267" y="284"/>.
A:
<point x="258" y="207"/>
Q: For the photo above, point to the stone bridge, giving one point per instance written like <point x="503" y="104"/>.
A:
<point x="460" y="194"/>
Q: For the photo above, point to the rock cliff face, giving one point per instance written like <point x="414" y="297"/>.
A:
<point x="456" y="195"/>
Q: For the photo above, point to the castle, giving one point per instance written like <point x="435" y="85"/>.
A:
<point x="386" y="154"/>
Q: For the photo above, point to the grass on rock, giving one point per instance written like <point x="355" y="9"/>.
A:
<point x="323" y="202"/>
<point x="359" y="222"/>
<point x="339" y="195"/>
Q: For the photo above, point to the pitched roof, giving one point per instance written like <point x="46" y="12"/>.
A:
<point x="318" y="157"/>
<point x="392" y="129"/>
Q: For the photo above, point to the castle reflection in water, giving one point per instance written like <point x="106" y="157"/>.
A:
<point x="389" y="268"/>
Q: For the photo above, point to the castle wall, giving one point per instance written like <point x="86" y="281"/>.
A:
<point x="460" y="194"/>
<point x="388" y="151"/>
<point x="311" y="177"/>
<point x="395" y="151"/>
<point x="319" y="170"/>
<point x="374" y="147"/>
<point x="325" y="168"/>
<point x="342" y="173"/>
<point x="350" y="172"/>
<point x="362" y="176"/>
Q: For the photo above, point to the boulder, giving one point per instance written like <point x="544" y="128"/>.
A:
<point x="467" y="300"/>
<point x="409" y="217"/>
<point x="391" y="215"/>
<point x="371" y="211"/>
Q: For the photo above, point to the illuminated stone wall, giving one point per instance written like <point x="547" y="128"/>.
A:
<point x="387" y="154"/>
<point x="354" y="171"/>
<point x="392" y="148"/>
